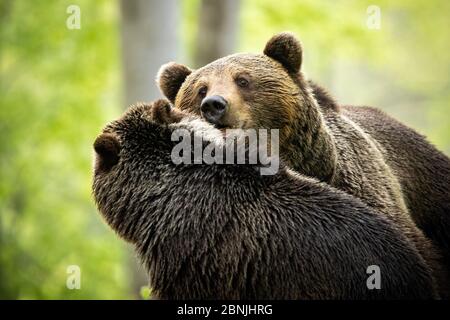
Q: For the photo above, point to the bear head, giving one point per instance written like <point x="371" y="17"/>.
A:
<point x="243" y="90"/>
<point x="134" y="161"/>
<point x="261" y="91"/>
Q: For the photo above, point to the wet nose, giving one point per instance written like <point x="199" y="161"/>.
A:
<point x="213" y="108"/>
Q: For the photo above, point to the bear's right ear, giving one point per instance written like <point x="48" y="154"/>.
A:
<point x="170" y="78"/>
<point x="286" y="49"/>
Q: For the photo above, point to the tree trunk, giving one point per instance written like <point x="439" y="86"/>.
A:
<point x="217" y="31"/>
<point x="149" y="39"/>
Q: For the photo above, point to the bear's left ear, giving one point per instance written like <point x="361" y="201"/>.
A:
<point x="286" y="49"/>
<point x="170" y="78"/>
<point x="107" y="149"/>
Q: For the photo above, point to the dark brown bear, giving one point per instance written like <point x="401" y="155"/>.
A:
<point x="319" y="139"/>
<point x="227" y="232"/>
<point x="422" y="170"/>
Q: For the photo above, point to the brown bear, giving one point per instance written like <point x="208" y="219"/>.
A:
<point x="317" y="137"/>
<point x="227" y="232"/>
<point x="422" y="170"/>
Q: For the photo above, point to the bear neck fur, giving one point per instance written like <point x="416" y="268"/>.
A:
<point x="309" y="147"/>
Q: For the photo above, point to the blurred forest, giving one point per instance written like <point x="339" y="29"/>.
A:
<point x="59" y="87"/>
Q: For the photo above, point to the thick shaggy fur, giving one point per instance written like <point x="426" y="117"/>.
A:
<point x="226" y="232"/>
<point x="319" y="139"/>
<point x="422" y="170"/>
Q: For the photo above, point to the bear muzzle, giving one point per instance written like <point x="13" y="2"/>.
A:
<point x="213" y="109"/>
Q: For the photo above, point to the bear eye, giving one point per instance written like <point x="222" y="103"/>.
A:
<point x="242" y="82"/>
<point x="202" y="91"/>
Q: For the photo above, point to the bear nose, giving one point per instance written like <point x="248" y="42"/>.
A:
<point x="213" y="108"/>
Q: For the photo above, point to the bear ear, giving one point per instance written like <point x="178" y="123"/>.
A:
<point x="164" y="113"/>
<point x="286" y="49"/>
<point x="107" y="148"/>
<point x="170" y="78"/>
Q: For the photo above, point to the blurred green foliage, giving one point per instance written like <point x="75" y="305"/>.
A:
<point x="146" y="293"/>
<point x="58" y="87"/>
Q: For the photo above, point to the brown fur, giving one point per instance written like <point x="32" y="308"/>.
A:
<point x="172" y="78"/>
<point x="422" y="170"/>
<point x="226" y="232"/>
<point x="316" y="139"/>
<point x="164" y="113"/>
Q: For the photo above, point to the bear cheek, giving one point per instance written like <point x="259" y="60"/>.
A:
<point x="241" y="118"/>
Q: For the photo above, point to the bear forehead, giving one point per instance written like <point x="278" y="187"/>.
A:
<point x="249" y="62"/>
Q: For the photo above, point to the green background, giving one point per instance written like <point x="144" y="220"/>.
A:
<point x="58" y="87"/>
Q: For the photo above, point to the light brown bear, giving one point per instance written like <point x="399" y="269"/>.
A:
<point x="322" y="140"/>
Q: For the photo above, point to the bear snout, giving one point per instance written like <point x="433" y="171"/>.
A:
<point x="213" y="109"/>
